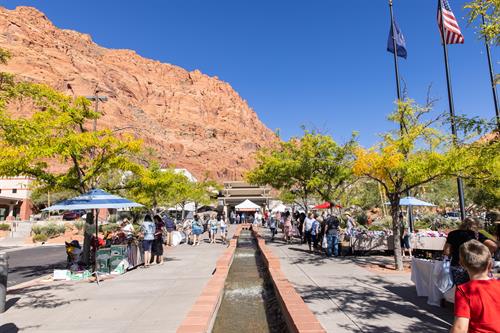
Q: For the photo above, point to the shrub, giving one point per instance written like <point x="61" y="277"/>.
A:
<point x="113" y="218"/>
<point x="50" y="230"/>
<point x="37" y="229"/>
<point x="40" y="238"/>
<point x="110" y="227"/>
<point x="376" y="227"/>
<point x="79" y="225"/>
<point x="422" y="225"/>
<point x="4" y="226"/>
<point x="362" y="218"/>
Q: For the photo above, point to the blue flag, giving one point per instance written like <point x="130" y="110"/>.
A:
<point x="400" y="41"/>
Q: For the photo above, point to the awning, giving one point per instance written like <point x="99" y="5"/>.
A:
<point x="247" y="206"/>
<point x="412" y="201"/>
<point x="325" y="205"/>
<point x="94" y="199"/>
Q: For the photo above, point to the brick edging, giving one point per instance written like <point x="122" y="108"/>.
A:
<point x="298" y="316"/>
<point x="202" y="315"/>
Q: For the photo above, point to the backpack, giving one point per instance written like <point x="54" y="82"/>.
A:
<point x="169" y="224"/>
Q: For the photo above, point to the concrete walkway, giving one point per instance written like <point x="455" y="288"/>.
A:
<point x="346" y="297"/>
<point x="143" y="300"/>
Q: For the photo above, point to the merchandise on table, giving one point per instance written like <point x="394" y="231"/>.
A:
<point x="118" y="250"/>
<point x="371" y="240"/>
<point x="67" y="275"/>
<point x="118" y="265"/>
<point x="429" y="240"/>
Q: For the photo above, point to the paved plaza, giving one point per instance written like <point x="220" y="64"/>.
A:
<point x="147" y="300"/>
<point x="343" y="295"/>
<point x="346" y="297"/>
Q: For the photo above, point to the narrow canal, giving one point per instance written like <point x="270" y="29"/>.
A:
<point x="249" y="303"/>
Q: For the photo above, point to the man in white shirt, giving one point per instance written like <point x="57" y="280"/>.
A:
<point x="307" y="228"/>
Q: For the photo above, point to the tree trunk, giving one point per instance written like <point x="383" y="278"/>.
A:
<point x="398" y="259"/>
<point x="88" y="231"/>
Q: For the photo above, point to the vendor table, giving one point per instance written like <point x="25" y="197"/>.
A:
<point x="428" y="243"/>
<point x="365" y="243"/>
<point x="423" y="277"/>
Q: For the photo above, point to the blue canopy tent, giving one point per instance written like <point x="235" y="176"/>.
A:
<point x="94" y="199"/>
<point x="412" y="202"/>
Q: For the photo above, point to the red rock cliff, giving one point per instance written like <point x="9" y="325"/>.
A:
<point x="193" y="120"/>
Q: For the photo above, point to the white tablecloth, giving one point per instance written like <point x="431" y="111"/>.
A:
<point x="428" y="243"/>
<point x="423" y="277"/>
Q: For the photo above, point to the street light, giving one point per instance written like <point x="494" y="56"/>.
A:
<point x="96" y="98"/>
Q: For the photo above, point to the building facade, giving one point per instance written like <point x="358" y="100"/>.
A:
<point x="235" y="192"/>
<point x="15" y="193"/>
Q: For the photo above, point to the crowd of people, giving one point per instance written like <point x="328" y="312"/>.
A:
<point x="476" y="298"/>
<point x="321" y="232"/>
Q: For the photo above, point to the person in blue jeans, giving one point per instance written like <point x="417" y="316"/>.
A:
<point x="332" y="236"/>
<point x="148" y="229"/>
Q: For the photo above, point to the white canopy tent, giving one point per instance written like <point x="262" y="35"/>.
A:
<point x="279" y="208"/>
<point x="188" y="207"/>
<point x="247" y="206"/>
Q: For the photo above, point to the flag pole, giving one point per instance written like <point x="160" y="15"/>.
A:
<point x="396" y="68"/>
<point x="492" y="78"/>
<point x="460" y="185"/>
<point x="398" y="92"/>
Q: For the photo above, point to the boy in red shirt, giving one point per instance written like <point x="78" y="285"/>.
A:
<point x="477" y="302"/>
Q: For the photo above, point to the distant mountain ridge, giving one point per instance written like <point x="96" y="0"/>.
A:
<point x="194" y="121"/>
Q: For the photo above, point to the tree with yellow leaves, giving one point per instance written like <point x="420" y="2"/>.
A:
<point x="417" y="154"/>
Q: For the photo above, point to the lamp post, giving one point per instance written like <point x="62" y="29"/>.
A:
<point x="96" y="98"/>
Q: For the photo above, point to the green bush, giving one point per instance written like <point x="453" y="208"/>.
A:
<point x="113" y="218"/>
<point x="110" y="227"/>
<point x="362" y="218"/>
<point x="79" y="225"/>
<point x="50" y="230"/>
<point x="40" y="238"/>
<point x="422" y="225"/>
<point x="376" y="227"/>
<point x="4" y="226"/>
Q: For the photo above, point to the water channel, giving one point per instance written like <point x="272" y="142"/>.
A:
<point x="249" y="303"/>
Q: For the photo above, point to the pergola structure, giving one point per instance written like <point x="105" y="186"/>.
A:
<point x="235" y="192"/>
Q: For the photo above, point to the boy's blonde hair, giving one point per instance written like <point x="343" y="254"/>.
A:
<point x="474" y="256"/>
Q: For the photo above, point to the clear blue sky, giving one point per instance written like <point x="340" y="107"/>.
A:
<point x="321" y="63"/>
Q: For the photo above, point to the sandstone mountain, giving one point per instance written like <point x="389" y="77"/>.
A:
<point x="192" y="120"/>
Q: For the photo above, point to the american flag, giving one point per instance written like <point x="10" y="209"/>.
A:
<point x="452" y="32"/>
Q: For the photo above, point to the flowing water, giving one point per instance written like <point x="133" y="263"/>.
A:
<point x="249" y="303"/>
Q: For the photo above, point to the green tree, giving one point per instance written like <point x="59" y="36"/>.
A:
<point x="363" y="193"/>
<point x="416" y="155"/>
<point x="313" y="165"/>
<point x="155" y="187"/>
<point x="42" y="197"/>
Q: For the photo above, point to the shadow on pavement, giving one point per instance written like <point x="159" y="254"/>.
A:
<point x="21" y="274"/>
<point x="370" y="300"/>
<point x="42" y="296"/>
